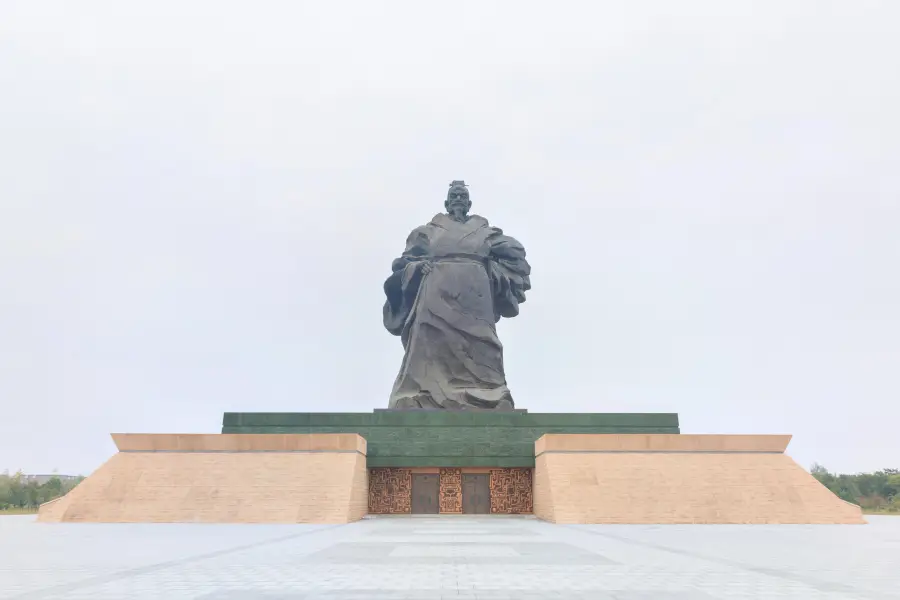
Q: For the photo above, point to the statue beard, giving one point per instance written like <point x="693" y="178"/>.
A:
<point x="459" y="213"/>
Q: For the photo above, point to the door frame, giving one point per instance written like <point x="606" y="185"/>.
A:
<point x="482" y="485"/>
<point x="421" y="477"/>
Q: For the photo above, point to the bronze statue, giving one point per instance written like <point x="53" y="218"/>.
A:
<point x="449" y="288"/>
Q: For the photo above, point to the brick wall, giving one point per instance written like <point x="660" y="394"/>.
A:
<point x="690" y="481"/>
<point x="263" y="483"/>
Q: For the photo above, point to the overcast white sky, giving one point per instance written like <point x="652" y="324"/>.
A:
<point x="201" y="201"/>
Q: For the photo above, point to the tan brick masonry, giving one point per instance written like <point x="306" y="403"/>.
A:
<point x="683" y="478"/>
<point x="207" y="479"/>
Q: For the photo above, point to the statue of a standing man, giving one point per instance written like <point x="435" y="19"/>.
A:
<point x="456" y="278"/>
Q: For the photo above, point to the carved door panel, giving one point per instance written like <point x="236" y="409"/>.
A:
<point x="425" y="492"/>
<point x="476" y="493"/>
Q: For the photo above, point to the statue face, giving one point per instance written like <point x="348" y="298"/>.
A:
<point x="458" y="201"/>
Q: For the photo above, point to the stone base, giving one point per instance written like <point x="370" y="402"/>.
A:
<point x="449" y="438"/>
<point x="185" y="478"/>
<point x="518" y="411"/>
<point x="660" y="479"/>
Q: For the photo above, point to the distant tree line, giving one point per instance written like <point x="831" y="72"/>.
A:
<point x="874" y="492"/>
<point x="18" y="491"/>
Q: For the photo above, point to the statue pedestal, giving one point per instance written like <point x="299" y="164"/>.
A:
<point x="563" y="468"/>
<point x="449" y="462"/>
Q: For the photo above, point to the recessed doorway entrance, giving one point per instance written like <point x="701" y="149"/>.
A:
<point x="451" y="490"/>
<point x="425" y="492"/>
<point x="476" y="496"/>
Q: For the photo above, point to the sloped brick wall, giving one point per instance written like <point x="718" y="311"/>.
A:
<point x="203" y="479"/>
<point x="691" y="479"/>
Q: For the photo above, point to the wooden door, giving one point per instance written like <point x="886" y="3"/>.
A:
<point x="425" y="491"/>
<point x="476" y="493"/>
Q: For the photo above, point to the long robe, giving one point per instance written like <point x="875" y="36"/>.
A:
<point x="447" y="318"/>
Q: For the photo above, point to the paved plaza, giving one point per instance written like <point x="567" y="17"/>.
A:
<point x="448" y="557"/>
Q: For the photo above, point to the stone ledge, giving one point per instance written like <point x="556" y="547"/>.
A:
<point x="243" y="442"/>
<point x="445" y="418"/>
<point x="403" y="462"/>
<point x="635" y="442"/>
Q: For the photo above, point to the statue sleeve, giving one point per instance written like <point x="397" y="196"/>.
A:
<point x="510" y="274"/>
<point x="402" y="286"/>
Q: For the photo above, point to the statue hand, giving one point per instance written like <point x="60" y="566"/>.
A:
<point x="425" y="268"/>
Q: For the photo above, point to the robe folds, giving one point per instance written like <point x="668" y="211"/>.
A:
<point x="446" y="318"/>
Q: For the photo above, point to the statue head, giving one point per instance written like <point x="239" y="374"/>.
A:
<point x="458" y="203"/>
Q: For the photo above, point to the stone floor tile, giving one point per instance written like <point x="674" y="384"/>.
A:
<point x="460" y="558"/>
